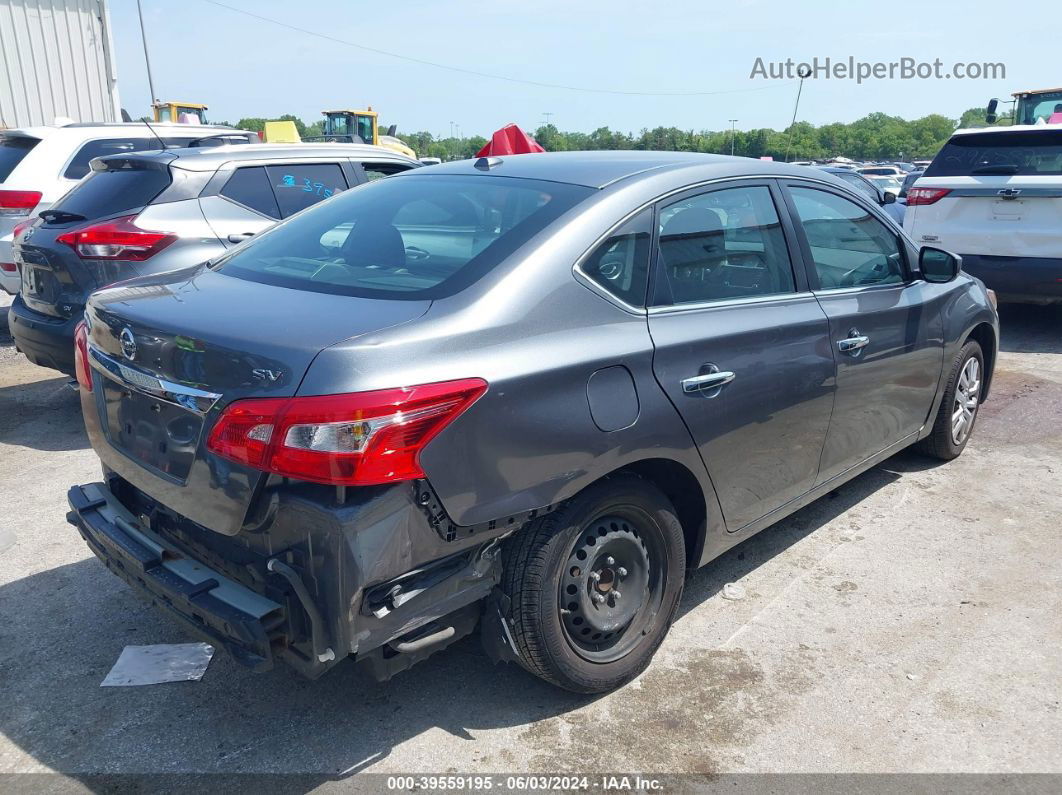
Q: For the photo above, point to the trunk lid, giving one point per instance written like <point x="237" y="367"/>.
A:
<point x="170" y="352"/>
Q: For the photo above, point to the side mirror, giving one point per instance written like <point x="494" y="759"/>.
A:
<point x="888" y="198"/>
<point x="938" y="266"/>
<point x="990" y="112"/>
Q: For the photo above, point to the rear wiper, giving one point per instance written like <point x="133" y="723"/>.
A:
<point x="60" y="216"/>
<point x="998" y="168"/>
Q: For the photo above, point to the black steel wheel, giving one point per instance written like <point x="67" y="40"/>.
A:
<point x="595" y="584"/>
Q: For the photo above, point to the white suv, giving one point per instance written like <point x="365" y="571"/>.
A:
<point x="40" y="164"/>
<point x="995" y="197"/>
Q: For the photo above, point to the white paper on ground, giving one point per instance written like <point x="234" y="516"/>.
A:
<point x="153" y="665"/>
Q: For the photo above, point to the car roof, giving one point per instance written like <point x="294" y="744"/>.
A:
<point x="598" y="169"/>
<point x="1055" y="128"/>
<point x="88" y="131"/>
<point x="211" y="157"/>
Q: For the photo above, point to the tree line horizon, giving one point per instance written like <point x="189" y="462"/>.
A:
<point x="876" y="136"/>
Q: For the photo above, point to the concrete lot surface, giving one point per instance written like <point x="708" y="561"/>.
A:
<point x="908" y="622"/>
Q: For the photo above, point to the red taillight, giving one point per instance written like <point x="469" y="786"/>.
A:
<point x="81" y="358"/>
<point x="116" y="239"/>
<point x="917" y="196"/>
<point x="19" y="227"/>
<point x="18" y="202"/>
<point x="8" y="267"/>
<point x="357" y="439"/>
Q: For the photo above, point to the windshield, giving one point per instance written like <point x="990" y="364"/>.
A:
<point x="1040" y="107"/>
<point x="1022" y="153"/>
<point x="404" y="237"/>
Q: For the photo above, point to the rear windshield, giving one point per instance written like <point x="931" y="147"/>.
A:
<point x="404" y="237"/>
<point x="1022" y="153"/>
<point x="12" y="149"/>
<point x="104" y="193"/>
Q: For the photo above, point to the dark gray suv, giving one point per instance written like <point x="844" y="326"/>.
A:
<point x="145" y="213"/>
<point x="529" y="393"/>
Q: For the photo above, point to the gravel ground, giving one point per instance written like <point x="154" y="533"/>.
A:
<point x="907" y="622"/>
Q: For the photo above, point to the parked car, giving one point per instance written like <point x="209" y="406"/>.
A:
<point x="995" y="196"/>
<point x="471" y="394"/>
<point x="150" y="212"/>
<point x="908" y="183"/>
<point x="880" y="171"/>
<point x="891" y="185"/>
<point x="871" y="189"/>
<point x="40" y="164"/>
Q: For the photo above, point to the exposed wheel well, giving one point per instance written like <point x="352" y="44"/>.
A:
<point x="986" y="338"/>
<point x="684" y="491"/>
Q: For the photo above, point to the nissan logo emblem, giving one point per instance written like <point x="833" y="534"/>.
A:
<point x="128" y="343"/>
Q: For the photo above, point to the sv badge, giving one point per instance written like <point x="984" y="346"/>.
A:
<point x="262" y="374"/>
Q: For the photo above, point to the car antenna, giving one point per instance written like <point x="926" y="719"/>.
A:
<point x="161" y="142"/>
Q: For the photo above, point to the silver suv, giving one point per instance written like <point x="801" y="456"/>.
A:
<point x="145" y="213"/>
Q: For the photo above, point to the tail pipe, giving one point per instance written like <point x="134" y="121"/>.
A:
<point x="321" y="650"/>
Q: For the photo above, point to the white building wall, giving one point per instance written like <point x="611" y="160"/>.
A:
<point x="56" y="59"/>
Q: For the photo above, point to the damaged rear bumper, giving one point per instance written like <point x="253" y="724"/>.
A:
<point x="210" y="605"/>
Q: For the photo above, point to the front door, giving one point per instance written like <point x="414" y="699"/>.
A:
<point x="887" y="342"/>
<point x="742" y="347"/>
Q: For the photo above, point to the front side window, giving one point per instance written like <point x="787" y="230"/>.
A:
<point x="723" y="245"/>
<point x="300" y="186"/>
<point x="621" y="264"/>
<point x="849" y="246"/>
<point x="409" y="237"/>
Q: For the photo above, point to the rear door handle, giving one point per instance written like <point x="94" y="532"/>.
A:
<point x="850" y="344"/>
<point x="707" y="381"/>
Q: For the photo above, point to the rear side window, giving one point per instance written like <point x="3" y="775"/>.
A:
<point x="410" y="237"/>
<point x="104" y="193"/>
<point x="79" y="166"/>
<point x="621" y="264"/>
<point x="250" y="187"/>
<point x="297" y="187"/>
<point x="722" y="245"/>
<point x="1018" y="153"/>
<point x="12" y="149"/>
<point x="377" y="170"/>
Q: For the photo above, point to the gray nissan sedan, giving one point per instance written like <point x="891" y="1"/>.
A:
<point x="526" y="393"/>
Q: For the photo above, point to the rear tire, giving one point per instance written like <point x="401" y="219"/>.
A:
<point x="958" y="408"/>
<point x="594" y="585"/>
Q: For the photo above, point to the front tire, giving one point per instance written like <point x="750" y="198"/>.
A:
<point x="594" y="585"/>
<point x="958" y="408"/>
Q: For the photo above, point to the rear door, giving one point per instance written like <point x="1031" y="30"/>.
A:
<point x="742" y="346"/>
<point x="884" y="334"/>
<point x="244" y="200"/>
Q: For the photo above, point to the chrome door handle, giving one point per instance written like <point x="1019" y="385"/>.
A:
<point x="850" y="344"/>
<point x="707" y="381"/>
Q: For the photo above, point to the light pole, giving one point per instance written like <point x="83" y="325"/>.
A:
<point x="803" y="72"/>
<point x="147" y="61"/>
<point x="453" y="150"/>
<point x="732" y="134"/>
<point x="547" y="114"/>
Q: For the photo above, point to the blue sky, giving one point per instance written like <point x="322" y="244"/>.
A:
<point x="242" y="66"/>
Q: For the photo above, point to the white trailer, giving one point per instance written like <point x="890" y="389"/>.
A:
<point x="56" y="60"/>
